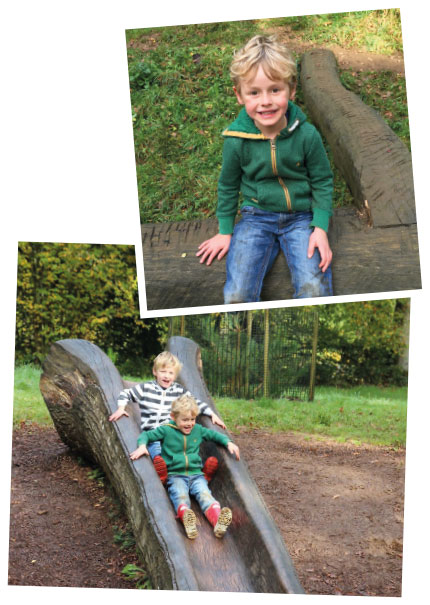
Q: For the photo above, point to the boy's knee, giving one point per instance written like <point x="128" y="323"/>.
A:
<point x="319" y="285"/>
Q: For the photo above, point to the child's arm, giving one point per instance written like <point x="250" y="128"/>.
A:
<point x="124" y="397"/>
<point x="139" y="452"/>
<point x="144" y="438"/>
<point x="319" y="239"/>
<point x="216" y="245"/>
<point x="118" y="413"/>
<point x="228" y="197"/>
<point x="211" y="435"/>
<point x="233" y="449"/>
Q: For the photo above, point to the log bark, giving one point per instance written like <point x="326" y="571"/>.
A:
<point x="375" y="163"/>
<point x="80" y="386"/>
<point x="375" y="247"/>
<point x="365" y="260"/>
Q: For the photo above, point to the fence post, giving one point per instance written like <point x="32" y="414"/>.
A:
<point x="266" y="353"/>
<point x="314" y="356"/>
<point x="249" y="315"/>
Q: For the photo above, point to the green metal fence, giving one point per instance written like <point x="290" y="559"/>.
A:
<point x="251" y="354"/>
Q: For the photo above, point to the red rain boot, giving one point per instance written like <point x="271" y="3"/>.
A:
<point x="161" y="468"/>
<point x="210" y="468"/>
<point x="188" y="519"/>
<point x="219" y="517"/>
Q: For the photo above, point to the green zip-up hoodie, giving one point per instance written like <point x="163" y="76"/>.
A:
<point x="287" y="174"/>
<point x="181" y="452"/>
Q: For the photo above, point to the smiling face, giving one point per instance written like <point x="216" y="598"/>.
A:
<point x="265" y="101"/>
<point x="185" y="421"/>
<point x="165" y="376"/>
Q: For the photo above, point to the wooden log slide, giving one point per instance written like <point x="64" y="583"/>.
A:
<point x="80" y="386"/>
<point x="375" y="245"/>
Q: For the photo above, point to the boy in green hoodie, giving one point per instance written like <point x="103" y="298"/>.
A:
<point x="277" y="161"/>
<point x="181" y="440"/>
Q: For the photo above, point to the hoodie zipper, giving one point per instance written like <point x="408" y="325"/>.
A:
<point x="275" y="172"/>
<point x="185" y="454"/>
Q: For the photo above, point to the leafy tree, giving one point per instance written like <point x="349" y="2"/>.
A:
<point x="82" y="291"/>
<point x="362" y="342"/>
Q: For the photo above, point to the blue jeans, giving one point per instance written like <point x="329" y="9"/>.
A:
<point x="181" y="487"/>
<point x="154" y="449"/>
<point x="255" y="244"/>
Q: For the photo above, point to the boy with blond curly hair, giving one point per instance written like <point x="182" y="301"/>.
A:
<point x="155" y="399"/>
<point x="276" y="160"/>
<point x="181" y="440"/>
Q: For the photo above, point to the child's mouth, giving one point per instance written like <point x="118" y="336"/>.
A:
<point x="268" y="114"/>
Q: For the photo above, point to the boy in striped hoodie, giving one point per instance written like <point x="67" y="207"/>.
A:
<point x="155" y="399"/>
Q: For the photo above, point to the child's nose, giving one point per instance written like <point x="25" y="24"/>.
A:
<point x="266" y="100"/>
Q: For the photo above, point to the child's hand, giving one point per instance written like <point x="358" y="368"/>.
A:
<point x="217" y="420"/>
<point x="141" y="451"/>
<point x="117" y="414"/>
<point x="319" y="239"/>
<point x="218" y="244"/>
<point x="233" y="449"/>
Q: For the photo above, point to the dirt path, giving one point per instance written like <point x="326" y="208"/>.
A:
<point x="339" y="509"/>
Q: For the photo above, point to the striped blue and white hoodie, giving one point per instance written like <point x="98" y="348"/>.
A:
<point x="155" y="402"/>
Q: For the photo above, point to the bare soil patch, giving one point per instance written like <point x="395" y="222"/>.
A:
<point x="339" y="509"/>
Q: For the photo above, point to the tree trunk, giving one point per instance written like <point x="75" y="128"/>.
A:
<point x="80" y="386"/>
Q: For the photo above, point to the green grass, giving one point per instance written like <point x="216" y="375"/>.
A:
<point x="370" y="415"/>
<point x="376" y="31"/>
<point x="28" y="405"/>
<point x="182" y="99"/>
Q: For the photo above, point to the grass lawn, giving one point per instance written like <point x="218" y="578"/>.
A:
<point x="368" y="414"/>
<point x="371" y="414"/>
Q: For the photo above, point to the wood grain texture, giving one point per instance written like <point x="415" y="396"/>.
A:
<point x="80" y="386"/>
<point x="365" y="260"/>
<point x="375" y="163"/>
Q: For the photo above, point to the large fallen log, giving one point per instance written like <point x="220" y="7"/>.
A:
<point x="80" y="386"/>
<point x="375" y="247"/>
<point x="365" y="260"/>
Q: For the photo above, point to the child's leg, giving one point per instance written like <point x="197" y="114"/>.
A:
<point x="154" y="450"/>
<point x="252" y="251"/>
<point x="219" y="518"/>
<point x="178" y="489"/>
<point x="307" y="278"/>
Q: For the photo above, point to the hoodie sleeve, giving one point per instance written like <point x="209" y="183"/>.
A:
<point x="229" y="185"/>
<point x="211" y="435"/>
<point x="321" y="179"/>
<point x="146" y="437"/>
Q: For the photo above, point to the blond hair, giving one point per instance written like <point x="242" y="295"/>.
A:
<point x="267" y="51"/>
<point x="165" y="359"/>
<point x="185" y="403"/>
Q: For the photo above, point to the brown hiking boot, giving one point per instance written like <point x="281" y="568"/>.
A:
<point x="210" y="468"/>
<point x="188" y="518"/>
<point x="224" y="520"/>
<point x="161" y="468"/>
